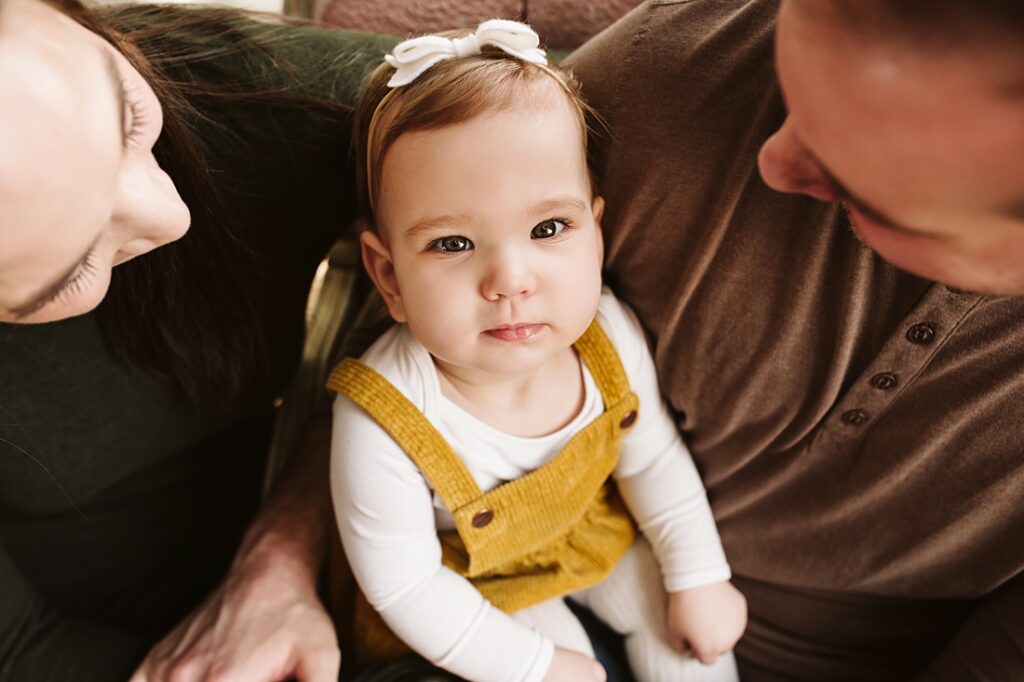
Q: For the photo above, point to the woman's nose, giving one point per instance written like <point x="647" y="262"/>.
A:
<point x="786" y="165"/>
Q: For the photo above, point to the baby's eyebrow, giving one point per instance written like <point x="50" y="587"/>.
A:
<point x="563" y="202"/>
<point x="540" y="208"/>
<point x="434" y="222"/>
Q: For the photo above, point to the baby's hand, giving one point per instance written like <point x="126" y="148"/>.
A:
<point x="706" y="620"/>
<point x="570" y="666"/>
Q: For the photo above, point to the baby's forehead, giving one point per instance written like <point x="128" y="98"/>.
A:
<point x="527" y="100"/>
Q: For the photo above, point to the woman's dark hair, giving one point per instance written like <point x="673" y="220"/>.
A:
<point x="194" y="312"/>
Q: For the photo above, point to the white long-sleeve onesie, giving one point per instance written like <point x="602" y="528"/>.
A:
<point x="388" y="515"/>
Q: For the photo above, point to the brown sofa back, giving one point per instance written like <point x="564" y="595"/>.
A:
<point x="562" y="24"/>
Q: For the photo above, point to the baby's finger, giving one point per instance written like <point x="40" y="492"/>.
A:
<point x="704" y="652"/>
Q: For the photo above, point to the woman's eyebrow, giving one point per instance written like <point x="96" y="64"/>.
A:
<point x="40" y="299"/>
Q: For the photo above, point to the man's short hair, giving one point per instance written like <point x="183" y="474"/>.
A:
<point x="934" y="23"/>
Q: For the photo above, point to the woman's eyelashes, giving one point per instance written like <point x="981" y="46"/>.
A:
<point x="137" y="114"/>
<point x="74" y="284"/>
<point x="546" y="229"/>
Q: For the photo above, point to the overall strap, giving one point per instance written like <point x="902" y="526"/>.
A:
<point x="409" y="428"/>
<point x="604" y="364"/>
<point x="540" y="507"/>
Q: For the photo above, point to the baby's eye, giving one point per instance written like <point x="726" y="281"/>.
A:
<point x="453" y="244"/>
<point x="548" y="229"/>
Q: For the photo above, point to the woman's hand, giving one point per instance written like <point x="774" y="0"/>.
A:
<point x="264" y="623"/>
<point x="706" y="620"/>
<point x="570" y="666"/>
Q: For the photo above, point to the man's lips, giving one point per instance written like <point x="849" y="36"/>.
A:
<point x="515" y="332"/>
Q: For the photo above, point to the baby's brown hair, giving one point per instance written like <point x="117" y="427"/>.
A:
<point x="449" y="92"/>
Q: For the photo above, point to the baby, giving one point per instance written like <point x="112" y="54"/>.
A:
<point x="496" y="449"/>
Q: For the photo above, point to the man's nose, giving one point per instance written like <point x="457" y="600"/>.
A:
<point x="786" y="165"/>
<point x="508" y="275"/>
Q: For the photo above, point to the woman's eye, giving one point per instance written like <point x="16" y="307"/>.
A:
<point x="73" y="286"/>
<point x="136" y="115"/>
<point x="451" y="244"/>
<point x="548" y="229"/>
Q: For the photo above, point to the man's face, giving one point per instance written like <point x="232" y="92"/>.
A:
<point x="925" y="148"/>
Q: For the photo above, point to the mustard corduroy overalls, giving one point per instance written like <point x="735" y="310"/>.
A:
<point x="561" y="528"/>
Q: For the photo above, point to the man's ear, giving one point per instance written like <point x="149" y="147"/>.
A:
<point x="378" y="263"/>
<point x="597" y="208"/>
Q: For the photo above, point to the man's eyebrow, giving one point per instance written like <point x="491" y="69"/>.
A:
<point x="864" y="208"/>
<point x="39" y="300"/>
<point x="117" y="84"/>
<point x="1016" y="209"/>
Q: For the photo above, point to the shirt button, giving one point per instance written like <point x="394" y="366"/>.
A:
<point x="884" y="381"/>
<point x="855" y="417"/>
<point x="482" y="518"/>
<point x="921" y="334"/>
<point x="628" y="420"/>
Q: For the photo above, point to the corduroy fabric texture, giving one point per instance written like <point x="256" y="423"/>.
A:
<point x="560" y="528"/>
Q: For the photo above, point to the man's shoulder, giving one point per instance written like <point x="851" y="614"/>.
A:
<point x="673" y="31"/>
<point x="679" y="82"/>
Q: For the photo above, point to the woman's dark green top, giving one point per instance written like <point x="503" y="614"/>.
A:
<point x="120" y="504"/>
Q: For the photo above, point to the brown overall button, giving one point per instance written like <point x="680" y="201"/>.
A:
<point x="921" y="334"/>
<point x="855" y="417"/>
<point x="482" y="518"/>
<point x="884" y="381"/>
<point x="628" y="420"/>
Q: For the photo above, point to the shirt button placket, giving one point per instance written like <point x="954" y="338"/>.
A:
<point x="856" y="417"/>
<point x="922" y="333"/>
<point x="885" y="381"/>
<point x="907" y="352"/>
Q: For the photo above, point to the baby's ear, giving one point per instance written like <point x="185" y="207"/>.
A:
<point x="378" y="263"/>
<point x="597" y="208"/>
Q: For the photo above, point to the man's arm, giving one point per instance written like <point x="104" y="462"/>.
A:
<point x="265" y="621"/>
<point x="989" y="647"/>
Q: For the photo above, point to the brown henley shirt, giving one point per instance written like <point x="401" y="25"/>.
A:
<point x="860" y="430"/>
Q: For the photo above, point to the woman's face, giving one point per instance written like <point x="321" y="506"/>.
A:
<point x="80" y="190"/>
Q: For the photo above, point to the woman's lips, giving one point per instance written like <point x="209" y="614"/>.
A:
<point x="515" y="332"/>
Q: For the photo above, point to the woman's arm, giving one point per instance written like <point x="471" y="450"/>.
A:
<point x="265" y="620"/>
<point x="37" y="643"/>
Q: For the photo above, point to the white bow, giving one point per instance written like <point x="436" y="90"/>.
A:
<point x="414" y="56"/>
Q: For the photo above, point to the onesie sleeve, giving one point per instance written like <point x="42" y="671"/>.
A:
<point x="656" y="475"/>
<point x="385" y="518"/>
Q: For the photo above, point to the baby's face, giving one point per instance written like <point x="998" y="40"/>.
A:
<point x="490" y="245"/>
